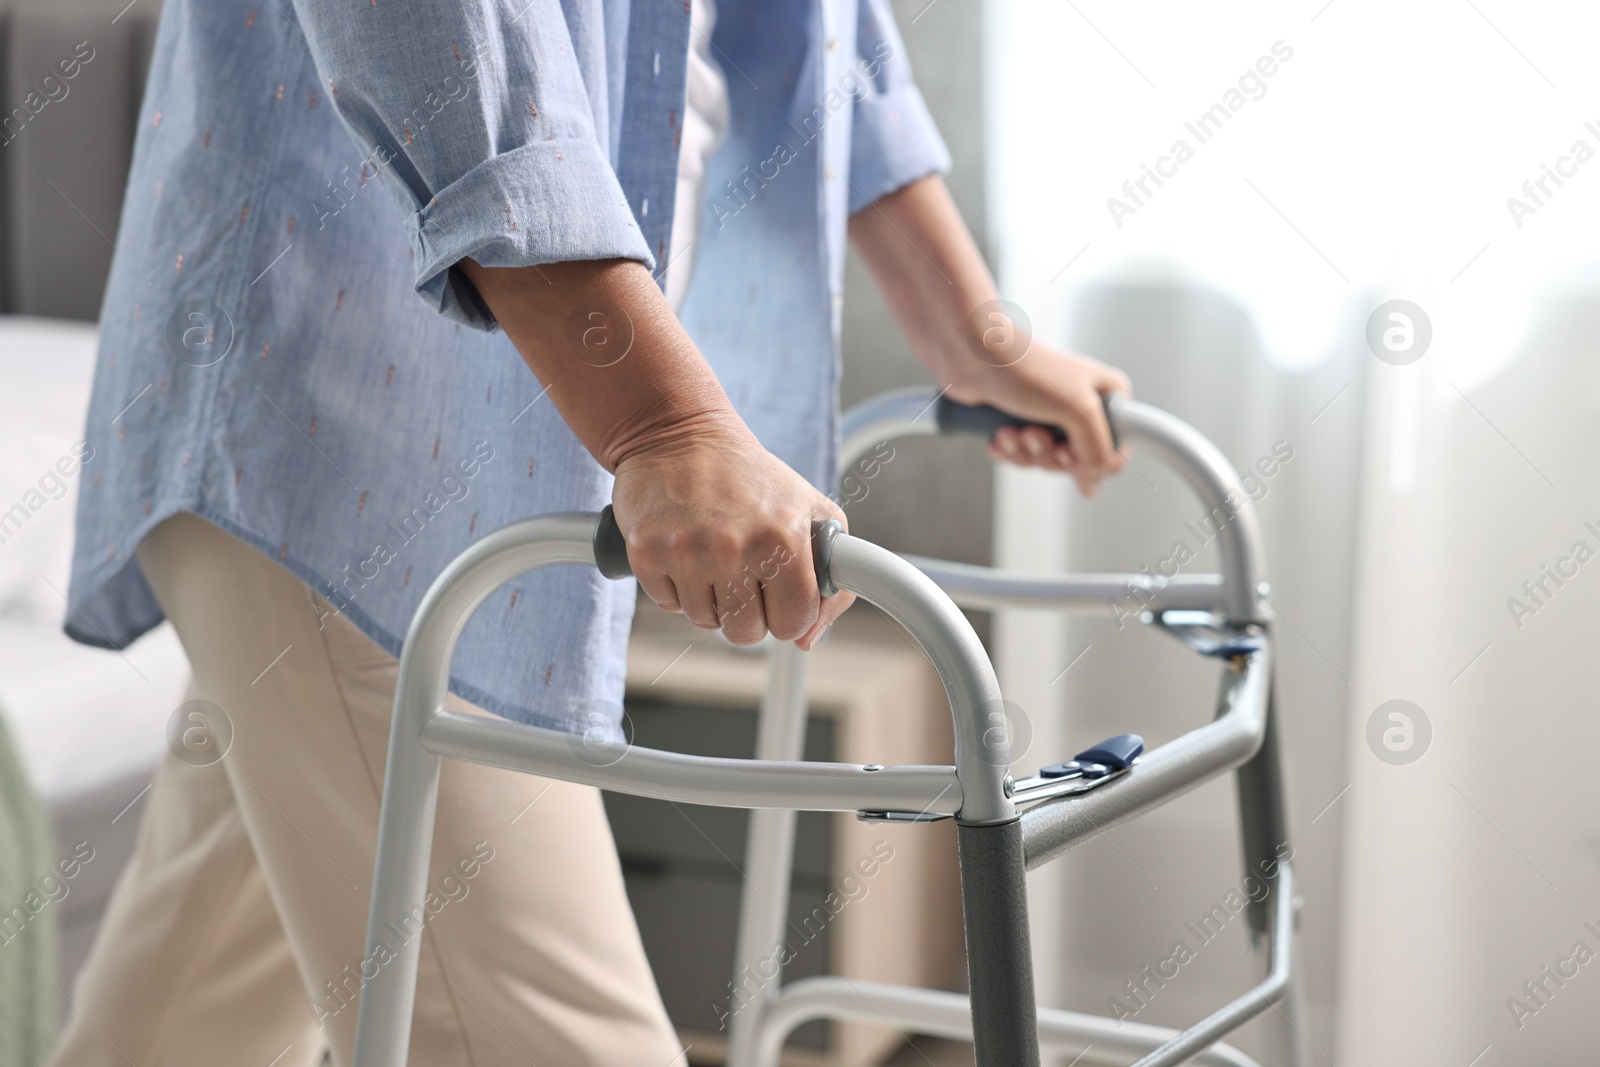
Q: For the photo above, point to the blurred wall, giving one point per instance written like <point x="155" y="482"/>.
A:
<point x="62" y="169"/>
<point x="1474" y="857"/>
<point x="935" y="497"/>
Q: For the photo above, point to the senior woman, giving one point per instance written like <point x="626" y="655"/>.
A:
<point x="312" y="393"/>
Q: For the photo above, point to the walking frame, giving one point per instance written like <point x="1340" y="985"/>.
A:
<point x="1005" y="826"/>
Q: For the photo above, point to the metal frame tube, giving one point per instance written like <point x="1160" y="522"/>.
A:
<point x="1284" y="1031"/>
<point x="1213" y="479"/>
<point x="1167" y="772"/>
<point x="1243" y="1008"/>
<point x="769" y="850"/>
<point x="994" y="907"/>
<point x="411" y="777"/>
<point x="1264" y="819"/>
<point x="710" y="780"/>
<point x="985" y="588"/>
<point x="940" y="1014"/>
<point x="983" y="750"/>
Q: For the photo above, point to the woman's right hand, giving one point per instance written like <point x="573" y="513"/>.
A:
<point x="716" y="526"/>
<point x="720" y="529"/>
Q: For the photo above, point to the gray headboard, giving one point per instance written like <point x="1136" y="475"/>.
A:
<point x="66" y="136"/>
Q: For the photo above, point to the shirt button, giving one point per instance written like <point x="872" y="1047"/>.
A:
<point x="827" y="172"/>
<point x="833" y="44"/>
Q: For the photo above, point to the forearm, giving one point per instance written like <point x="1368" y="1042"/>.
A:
<point x="923" y="258"/>
<point x="715" y="525"/>
<point x="614" y="359"/>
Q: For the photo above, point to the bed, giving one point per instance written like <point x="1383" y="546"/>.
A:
<point x="89" y="724"/>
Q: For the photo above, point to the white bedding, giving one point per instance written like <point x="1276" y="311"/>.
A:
<point x="82" y="717"/>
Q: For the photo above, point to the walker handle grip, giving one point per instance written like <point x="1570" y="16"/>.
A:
<point x="984" y="420"/>
<point x="611" y="549"/>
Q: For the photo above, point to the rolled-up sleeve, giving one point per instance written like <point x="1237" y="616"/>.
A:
<point x="483" y="122"/>
<point x="895" y="141"/>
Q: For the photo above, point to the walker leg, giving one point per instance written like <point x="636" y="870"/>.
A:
<point x="399" y="888"/>
<point x="769" y="863"/>
<point x="1264" y="822"/>
<point x="1283" y="1030"/>
<point x="994" y="901"/>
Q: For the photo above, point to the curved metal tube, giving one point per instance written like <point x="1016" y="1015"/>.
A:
<point x="422" y="730"/>
<point x="411" y="775"/>
<point x="910" y="412"/>
<point x="983" y="749"/>
<point x="1212" y="477"/>
<point x="885" y="417"/>
<point x="1175" y="768"/>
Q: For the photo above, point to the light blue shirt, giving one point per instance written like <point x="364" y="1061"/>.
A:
<point x="306" y="171"/>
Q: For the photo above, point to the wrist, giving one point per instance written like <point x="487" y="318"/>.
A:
<point x="615" y="360"/>
<point x="678" y="425"/>
<point x="980" y="369"/>
<point x="969" y="339"/>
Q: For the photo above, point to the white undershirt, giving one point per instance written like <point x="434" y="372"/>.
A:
<point x="705" y="124"/>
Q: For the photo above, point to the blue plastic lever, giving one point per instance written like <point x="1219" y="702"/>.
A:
<point x="1117" y="753"/>
<point x="1108" y="757"/>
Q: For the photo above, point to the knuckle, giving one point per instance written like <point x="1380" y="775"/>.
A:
<point x="787" y="632"/>
<point x="794" y="624"/>
<point x="743" y="637"/>
<point x="668" y="548"/>
<point x="723" y="543"/>
<point x="642" y="548"/>
<point x="771" y="539"/>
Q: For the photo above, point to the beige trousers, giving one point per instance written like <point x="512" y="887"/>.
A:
<point x="235" y="935"/>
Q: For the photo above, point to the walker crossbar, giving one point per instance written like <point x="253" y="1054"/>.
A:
<point x="986" y="589"/>
<point x="1162" y="774"/>
<point x="709" y="780"/>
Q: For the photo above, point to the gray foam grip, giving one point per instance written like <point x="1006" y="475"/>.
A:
<point x="610" y="548"/>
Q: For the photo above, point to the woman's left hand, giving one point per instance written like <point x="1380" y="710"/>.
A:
<point x="1057" y="389"/>
<point x="935" y="281"/>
